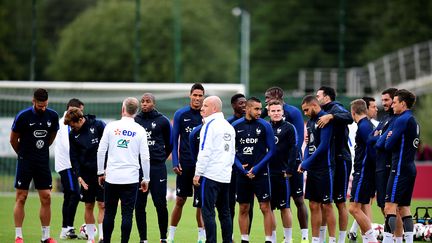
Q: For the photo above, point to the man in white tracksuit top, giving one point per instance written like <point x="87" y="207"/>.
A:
<point x="213" y="168"/>
<point x="126" y="142"/>
<point x="68" y="178"/>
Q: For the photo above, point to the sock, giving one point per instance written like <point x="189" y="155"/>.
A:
<point x="342" y="235"/>
<point x="354" y="227"/>
<point x="288" y="235"/>
<point x="100" y="230"/>
<point x="90" y="229"/>
<point x="322" y="233"/>
<point x="64" y="230"/>
<point x="273" y="236"/>
<point x="45" y="232"/>
<point x="18" y="232"/>
<point x="332" y="239"/>
<point x="408" y="225"/>
<point x="171" y="234"/>
<point x="399" y="240"/>
<point x="388" y="237"/>
<point x="245" y="237"/>
<point x="409" y="237"/>
<point x="268" y="238"/>
<point x="370" y="236"/>
<point x="70" y="227"/>
<point x="391" y="222"/>
<point x="364" y="239"/>
<point x="315" y="239"/>
<point x="304" y="233"/>
<point x="201" y="233"/>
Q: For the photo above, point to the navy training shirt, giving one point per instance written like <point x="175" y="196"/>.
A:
<point x="194" y="140"/>
<point x="84" y="144"/>
<point x="185" y="119"/>
<point x="158" y="129"/>
<point x="383" y="157"/>
<point x="403" y="143"/>
<point x="319" y="152"/>
<point x="364" y="160"/>
<point x="284" y="159"/>
<point x="255" y="145"/>
<point x="35" y="132"/>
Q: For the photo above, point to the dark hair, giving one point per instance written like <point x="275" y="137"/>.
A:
<point x="368" y="100"/>
<point x="74" y="102"/>
<point x="152" y="97"/>
<point x="275" y="92"/>
<point x="252" y="99"/>
<point x="40" y="94"/>
<point x="405" y="95"/>
<point x="309" y="99"/>
<point x="390" y="91"/>
<point x="235" y="97"/>
<point x="197" y="86"/>
<point x="329" y="91"/>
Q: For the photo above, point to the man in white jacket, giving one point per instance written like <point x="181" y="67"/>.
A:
<point x="126" y="142"/>
<point x="67" y="176"/>
<point x="213" y="168"/>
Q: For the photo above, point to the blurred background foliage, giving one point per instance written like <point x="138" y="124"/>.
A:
<point x="95" y="39"/>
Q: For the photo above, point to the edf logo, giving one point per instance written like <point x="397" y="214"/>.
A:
<point x="125" y="133"/>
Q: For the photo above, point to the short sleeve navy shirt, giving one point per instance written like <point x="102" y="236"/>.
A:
<point x="35" y="131"/>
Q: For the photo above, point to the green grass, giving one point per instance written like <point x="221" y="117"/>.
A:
<point x="186" y="231"/>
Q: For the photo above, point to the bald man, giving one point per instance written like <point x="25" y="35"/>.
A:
<point x="213" y="168"/>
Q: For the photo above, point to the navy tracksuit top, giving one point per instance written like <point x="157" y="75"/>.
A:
<point x="342" y="118"/>
<point x="284" y="159"/>
<point x="364" y="160"/>
<point x="319" y="152"/>
<point x="403" y="143"/>
<point x="158" y="129"/>
<point x="84" y="145"/>
<point x="383" y="157"/>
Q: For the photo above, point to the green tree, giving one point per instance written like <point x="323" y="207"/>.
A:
<point x="423" y="113"/>
<point x="99" y="44"/>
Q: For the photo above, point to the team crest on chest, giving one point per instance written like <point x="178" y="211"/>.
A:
<point x="258" y="131"/>
<point x="92" y="130"/>
<point x="49" y="123"/>
<point x="279" y="130"/>
<point x="153" y="124"/>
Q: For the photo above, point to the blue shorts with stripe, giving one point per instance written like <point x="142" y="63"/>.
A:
<point x="362" y="187"/>
<point x="400" y="188"/>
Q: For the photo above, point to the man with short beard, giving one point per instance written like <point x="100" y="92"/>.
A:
<point x="158" y="129"/>
<point x="33" y="131"/>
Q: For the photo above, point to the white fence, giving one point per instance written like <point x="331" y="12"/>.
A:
<point x="407" y="64"/>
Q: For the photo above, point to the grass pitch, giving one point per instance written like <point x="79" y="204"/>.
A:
<point x="186" y="231"/>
